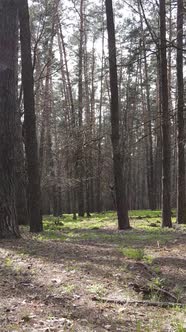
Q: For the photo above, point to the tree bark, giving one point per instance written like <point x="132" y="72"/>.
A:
<point x="20" y="175"/>
<point x="181" y="203"/>
<point x="8" y="221"/>
<point x="166" y="152"/>
<point x="80" y="157"/>
<point x="46" y="157"/>
<point x="20" y="165"/>
<point x="30" y="121"/>
<point x="120" y="189"/>
<point x="70" y="103"/>
<point x="99" y="162"/>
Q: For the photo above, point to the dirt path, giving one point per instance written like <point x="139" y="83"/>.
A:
<point x="51" y="286"/>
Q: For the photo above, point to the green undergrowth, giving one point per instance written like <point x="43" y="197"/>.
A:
<point x="133" y="253"/>
<point x="146" y="229"/>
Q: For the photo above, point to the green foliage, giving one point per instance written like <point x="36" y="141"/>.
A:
<point x="179" y="327"/>
<point x="97" y="289"/>
<point x="157" y="282"/>
<point x="178" y="291"/>
<point x="8" y="262"/>
<point x="132" y="253"/>
<point x="148" y="259"/>
<point x="68" y="289"/>
<point x="138" y="327"/>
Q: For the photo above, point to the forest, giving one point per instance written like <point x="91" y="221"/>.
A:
<point x="92" y="165"/>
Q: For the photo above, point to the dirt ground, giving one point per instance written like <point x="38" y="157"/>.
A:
<point x="51" y="285"/>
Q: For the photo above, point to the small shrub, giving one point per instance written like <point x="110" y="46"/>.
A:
<point x="157" y="282"/>
<point x="133" y="253"/>
<point x="8" y="262"/>
<point x="148" y="259"/>
<point x="68" y="289"/>
<point x="97" y="289"/>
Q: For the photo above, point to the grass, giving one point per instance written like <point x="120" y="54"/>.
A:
<point x="132" y="253"/>
<point x="97" y="289"/>
<point x="8" y="262"/>
<point x="179" y="327"/>
<point x="141" y="214"/>
<point x="103" y="227"/>
<point x="68" y="289"/>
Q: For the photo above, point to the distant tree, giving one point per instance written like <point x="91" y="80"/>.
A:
<point x="69" y="101"/>
<point x="8" y="44"/>
<point x="99" y="159"/>
<point x="80" y="157"/>
<point x="45" y="151"/>
<point x="120" y="188"/>
<point x="148" y="121"/>
<point x="79" y="94"/>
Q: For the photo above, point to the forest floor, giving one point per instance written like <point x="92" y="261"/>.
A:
<point x="86" y="276"/>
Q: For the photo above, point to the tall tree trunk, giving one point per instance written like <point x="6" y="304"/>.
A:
<point x="88" y="135"/>
<point x="46" y="155"/>
<point x="121" y="201"/>
<point x="181" y="202"/>
<point x="158" y="149"/>
<point x="80" y="161"/>
<point x="8" y="221"/>
<point x="150" y="162"/>
<point x="92" y="121"/>
<point x="30" y="121"/>
<point x="99" y="165"/>
<point x="166" y="152"/>
<point x="70" y="102"/>
<point x="20" y="168"/>
<point x="173" y="123"/>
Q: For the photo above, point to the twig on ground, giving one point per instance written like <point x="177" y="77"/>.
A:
<point x="145" y="303"/>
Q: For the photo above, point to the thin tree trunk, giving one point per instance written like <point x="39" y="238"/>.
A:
<point x="166" y="152"/>
<point x="158" y="165"/>
<point x="150" y="162"/>
<point x="99" y="166"/>
<point x="121" y="201"/>
<point x="92" y="120"/>
<point x="80" y="161"/>
<point x="88" y="128"/>
<point x="70" y="101"/>
<point x="181" y="202"/>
